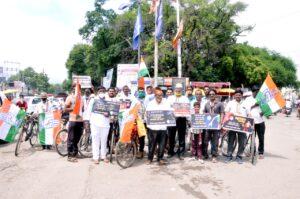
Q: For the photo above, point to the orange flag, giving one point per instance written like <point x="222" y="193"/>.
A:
<point x="77" y="108"/>
<point x="178" y="35"/>
<point x="154" y="6"/>
<point x="129" y="123"/>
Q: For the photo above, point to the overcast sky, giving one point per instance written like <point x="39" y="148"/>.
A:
<point x="41" y="33"/>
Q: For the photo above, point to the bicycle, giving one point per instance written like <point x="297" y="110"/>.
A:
<point x="114" y="137"/>
<point x="33" y="130"/>
<point x="126" y="152"/>
<point x="61" y="139"/>
<point x="22" y="134"/>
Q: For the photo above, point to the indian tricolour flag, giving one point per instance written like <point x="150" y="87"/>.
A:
<point x="269" y="97"/>
<point x="49" y="126"/>
<point x="11" y="117"/>
<point x="143" y="71"/>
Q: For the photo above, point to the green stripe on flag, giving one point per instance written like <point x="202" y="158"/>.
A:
<point x="143" y="72"/>
<point x="14" y="129"/>
<point x="261" y="99"/>
<point x="42" y="132"/>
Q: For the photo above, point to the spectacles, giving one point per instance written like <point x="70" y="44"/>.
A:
<point x="158" y="95"/>
<point x="212" y="94"/>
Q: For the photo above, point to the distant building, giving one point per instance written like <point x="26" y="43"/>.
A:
<point x="8" y="69"/>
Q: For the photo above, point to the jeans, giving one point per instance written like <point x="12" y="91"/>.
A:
<point x="260" y="130"/>
<point x="212" y="136"/>
<point x="242" y="138"/>
<point x="181" y="129"/>
<point x="74" y="134"/>
<point x="157" y="138"/>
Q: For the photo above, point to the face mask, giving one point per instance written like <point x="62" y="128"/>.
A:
<point x="101" y="95"/>
<point x="141" y="94"/>
<point x="178" y="94"/>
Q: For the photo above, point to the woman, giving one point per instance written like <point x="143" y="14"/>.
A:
<point x="99" y="123"/>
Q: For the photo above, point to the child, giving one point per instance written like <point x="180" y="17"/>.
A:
<point x="196" y="138"/>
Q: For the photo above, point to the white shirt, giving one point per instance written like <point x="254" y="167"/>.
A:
<point x="95" y="118"/>
<point x="254" y="112"/>
<point x="153" y="106"/>
<point x="148" y="99"/>
<point x="236" y="108"/>
<point x="86" y="102"/>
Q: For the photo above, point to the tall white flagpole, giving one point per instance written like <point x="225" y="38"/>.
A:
<point x="179" y="65"/>
<point x="155" y="52"/>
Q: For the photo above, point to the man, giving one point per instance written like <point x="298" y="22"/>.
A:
<point x="205" y="97"/>
<point x="181" y="123"/>
<point x="75" y="127"/>
<point x="236" y="108"/>
<point x="189" y="93"/>
<point x="157" y="133"/>
<point x="22" y="104"/>
<point x="149" y="95"/>
<point x="169" y="92"/>
<point x="86" y="100"/>
<point x="256" y="114"/>
<point x="212" y="136"/>
<point x="141" y="97"/>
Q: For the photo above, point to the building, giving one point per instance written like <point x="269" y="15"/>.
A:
<point x="7" y="69"/>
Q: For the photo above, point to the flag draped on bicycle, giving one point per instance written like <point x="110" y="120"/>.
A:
<point x="11" y="117"/>
<point x="49" y="126"/>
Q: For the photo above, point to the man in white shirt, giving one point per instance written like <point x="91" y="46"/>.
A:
<point x="255" y="112"/>
<point x="157" y="133"/>
<point x="235" y="107"/>
<point x="181" y="124"/>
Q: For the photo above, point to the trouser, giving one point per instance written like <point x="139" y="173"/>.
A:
<point x="196" y="145"/>
<point x="99" y="140"/>
<point x="75" y="130"/>
<point x="86" y="126"/>
<point x="157" y="138"/>
<point x="141" y="143"/>
<point x="113" y="127"/>
<point x="181" y="129"/>
<point x="212" y="136"/>
<point x="260" y="130"/>
<point x="204" y="144"/>
<point x="242" y="138"/>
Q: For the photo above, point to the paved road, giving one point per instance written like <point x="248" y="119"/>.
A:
<point x="40" y="174"/>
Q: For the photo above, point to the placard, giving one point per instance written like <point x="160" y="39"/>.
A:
<point x="125" y="104"/>
<point x="161" y="117"/>
<point x="84" y="81"/>
<point x="238" y="123"/>
<point x="184" y="81"/>
<point x="102" y="106"/>
<point x="182" y="109"/>
<point x="206" y="121"/>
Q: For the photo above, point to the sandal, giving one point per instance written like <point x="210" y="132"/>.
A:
<point x="96" y="161"/>
<point x="106" y="160"/>
<point x="72" y="159"/>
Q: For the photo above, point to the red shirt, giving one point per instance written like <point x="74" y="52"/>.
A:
<point x="22" y="105"/>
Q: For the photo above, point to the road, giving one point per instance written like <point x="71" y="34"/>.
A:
<point x="43" y="174"/>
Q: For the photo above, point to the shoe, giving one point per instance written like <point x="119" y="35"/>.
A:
<point x="140" y="155"/>
<point x="201" y="161"/>
<point x="95" y="161"/>
<point x="180" y="157"/>
<point x="214" y="160"/>
<point x="170" y="155"/>
<point x="261" y="156"/>
<point x="72" y="159"/>
<point x="228" y="159"/>
<point x="239" y="160"/>
<point x="162" y="162"/>
<point x="148" y="162"/>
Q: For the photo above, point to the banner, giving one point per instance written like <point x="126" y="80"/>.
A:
<point x="84" y="81"/>
<point x="184" y="81"/>
<point x="11" y="117"/>
<point x="182" y="109"/>
<point x="206" y="121"/>
<point x="108" y="78"/>
<point x="238" y="123"/>
<point x="102" y="106"/>
<point x="160" y="117"/>
<point x="49" y="126"/>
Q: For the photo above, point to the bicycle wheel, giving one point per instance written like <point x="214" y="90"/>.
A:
<point x="253" y="149"/>
<point x="61" y="143"/>
<point x="21" y="139"/>
<point x="111" y="147"/>
<point x="125" y="154"/>
<point x="247" y="149"/>
<point x="224" y="144"/>
<point x="85" y="146"/>
<point x="33" y="139"/>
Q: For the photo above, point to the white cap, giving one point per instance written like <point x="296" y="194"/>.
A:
<point x="178" y="85"/>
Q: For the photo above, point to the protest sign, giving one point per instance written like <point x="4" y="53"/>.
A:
<point x="238" y="123"/>
<point x="84" y="81"/>
<point x="161" y="117"/>
<point x="108" y="78"/>
<point x="206" y="121"/>
<point x="102" y="106"/>
<point x="184" y="81"/>
<point x="181" y="109"/>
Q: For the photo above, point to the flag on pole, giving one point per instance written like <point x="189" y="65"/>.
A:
<point x="124" y="5"/>
<point x="178" y="35"/>
<point x="143" y="70"/>
<point x="128" y="123"/>
<point x="11" y="117"/>
<point x="154" y="6"/>
<point x="138" y="28"/>
<point x="269" y="97"/>
<point x="77" y="107"/>
<point x="159" y="21"/>
<point x="49" y="126"/>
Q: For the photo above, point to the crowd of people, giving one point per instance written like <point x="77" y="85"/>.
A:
<point x="161" y="138"/>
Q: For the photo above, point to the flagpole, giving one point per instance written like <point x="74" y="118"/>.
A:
<point x="179" y="65"/>
<point x="139" y="47"/>
<point x="155" y="52"/>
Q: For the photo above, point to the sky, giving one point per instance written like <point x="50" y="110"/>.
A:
<point x="41" y="33"/>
